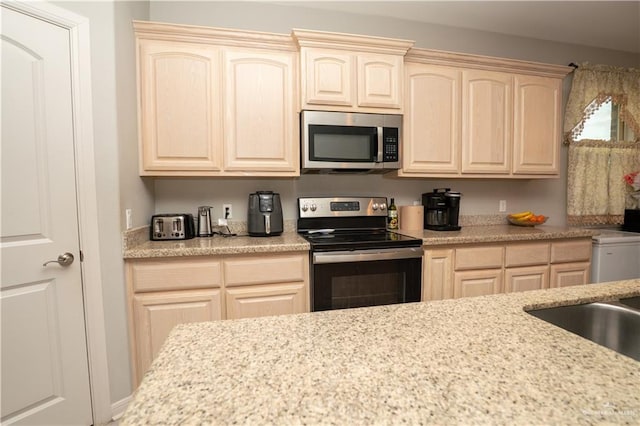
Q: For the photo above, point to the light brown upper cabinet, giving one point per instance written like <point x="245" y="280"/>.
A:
<point x="473" y="116"/>
<point x="345" y="72"/>
<point x="216" y="102"/>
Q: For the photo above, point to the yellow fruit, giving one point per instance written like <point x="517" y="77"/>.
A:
<point x="521" y="215"/>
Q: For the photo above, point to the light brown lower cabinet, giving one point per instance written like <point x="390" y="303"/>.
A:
<point x="483" y="269"/>
<point x="163" y="293"/>
<point x="477" y="283"/>
<point x="155" y="315"/>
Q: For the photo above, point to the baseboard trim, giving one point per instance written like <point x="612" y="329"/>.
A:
<point x="119" y="407"/>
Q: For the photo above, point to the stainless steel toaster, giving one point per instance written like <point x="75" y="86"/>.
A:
<point x="173" y="226"/>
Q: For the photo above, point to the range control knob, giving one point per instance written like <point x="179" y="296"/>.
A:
<point x="313" y="207"/>
<point x="383" y="206"/>
<point x="304" y="208"/>
<point x="375" y="206"/>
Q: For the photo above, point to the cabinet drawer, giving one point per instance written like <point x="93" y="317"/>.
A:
<point x="247" y="270"/>
<point x="265" y="300"/>
<point x="571" y="251"/>
<point x="162" y="274"/>
<point x="478" y="258"/>
<point x="526" y="254"/>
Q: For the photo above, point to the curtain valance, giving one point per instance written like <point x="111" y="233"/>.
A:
<point x="599" y="83"/>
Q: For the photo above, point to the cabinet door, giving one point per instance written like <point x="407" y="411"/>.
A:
<point x="431" y="141"/>
<point x="537" y="127"/>
<point x="380" y="81"/>
<point x="179" y="107"/>
<point x="261" y="126"/>
<point x="477" y="283"/>
<point x="264" y="300"/>
<point x="528" y="278"/>
<point x="487" y="110"/>
<point x="437" y="275"/>
<point x="329" y="77"/>
<point x="568" y="274"/>
<point x="155" y="315"/>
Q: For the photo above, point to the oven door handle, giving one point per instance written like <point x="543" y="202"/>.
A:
<point x="367" y="255"/>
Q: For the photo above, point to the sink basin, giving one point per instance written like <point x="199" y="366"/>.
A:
<point x="611" y="324"/>
<point x="634" y="302"/>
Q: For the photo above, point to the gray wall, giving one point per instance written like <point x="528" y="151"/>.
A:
<point x="114" y="110"/>
<point x="115" y="140"/>
<point x="479" y="196"/>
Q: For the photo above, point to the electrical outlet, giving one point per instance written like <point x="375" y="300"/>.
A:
<point x="502" y="208"/>
<point x="128" y="219"/>
<point x="227" y="211"/>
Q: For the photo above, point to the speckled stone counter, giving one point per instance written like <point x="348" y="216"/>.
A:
<point x="498" y="233"/>
<point x="288" y="241"/>
<point x="480" y="360"/>
<point x="138" y="246"/>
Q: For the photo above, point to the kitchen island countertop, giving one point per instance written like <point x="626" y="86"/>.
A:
<point x="480" y="360"/>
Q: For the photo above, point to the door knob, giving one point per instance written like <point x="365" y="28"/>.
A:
<point x="65" y="259"/>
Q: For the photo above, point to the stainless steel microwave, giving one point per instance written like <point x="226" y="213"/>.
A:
<point x="341" y="142"/>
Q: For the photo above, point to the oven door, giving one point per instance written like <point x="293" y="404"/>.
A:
<point x="351" y="279"/>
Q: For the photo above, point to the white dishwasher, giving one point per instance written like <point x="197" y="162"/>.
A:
<point x="616" y="256"/>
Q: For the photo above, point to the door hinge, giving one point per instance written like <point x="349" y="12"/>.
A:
<point x="81" y="256"/>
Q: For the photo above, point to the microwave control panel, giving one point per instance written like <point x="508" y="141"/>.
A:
<point x="390" y="144"/>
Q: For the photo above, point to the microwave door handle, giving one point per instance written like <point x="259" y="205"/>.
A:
<point x="380" y="145"/>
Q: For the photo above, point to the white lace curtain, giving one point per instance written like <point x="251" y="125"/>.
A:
<point x="596" y="190"/>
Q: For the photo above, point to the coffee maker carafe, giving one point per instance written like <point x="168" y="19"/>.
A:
<point x="441" y="209"/>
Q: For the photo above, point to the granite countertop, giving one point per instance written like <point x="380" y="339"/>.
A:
<point x="136" y="244"/>
<point x="217" y="245"/>
<point x="480" y="360"/>
<point x="499" y="233"/>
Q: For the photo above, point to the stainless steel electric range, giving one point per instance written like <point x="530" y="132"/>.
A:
<point x="355" y="261"/>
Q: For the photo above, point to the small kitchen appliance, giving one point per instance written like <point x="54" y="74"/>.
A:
<point x="441" y="209"/>
<point x="173" y="226"/>
<point x="204" y="221"/>
<point x="265" y="214"/>
<point x="355" y="261"/>
<point x="346" y="142"/>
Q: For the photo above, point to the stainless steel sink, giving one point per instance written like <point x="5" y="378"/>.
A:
<point x="634" y="302"/>
<point x="615" y="325"/>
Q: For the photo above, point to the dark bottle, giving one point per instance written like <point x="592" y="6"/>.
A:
<point x="392" y="215"/>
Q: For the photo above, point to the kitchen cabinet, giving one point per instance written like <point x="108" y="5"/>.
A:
<point x="165" y="292"/>
<point x="478" y="271"/>
<point x="477" y="283"/>
<point x="482" y="269"/>
<point x="266" y="285"/>
<point x="345" y="72"/>
<point x="537" y="125"/>
<point x="437" y="274"/>
<point x="526" y="266"/>
<point x="570" y="263"/>
<point x="471" y="116"/>
<point x="216" y="102"/>
<point x="155" y="315"/>
<point x="432" y="127"/>
<point x="487" y="110"/>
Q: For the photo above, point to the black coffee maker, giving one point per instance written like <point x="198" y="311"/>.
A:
<point x="441" y="209"/>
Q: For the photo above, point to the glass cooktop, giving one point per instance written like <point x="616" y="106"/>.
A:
<point x="356" y="240"/>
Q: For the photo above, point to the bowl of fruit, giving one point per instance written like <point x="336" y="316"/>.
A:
<point x="527" y="218"/>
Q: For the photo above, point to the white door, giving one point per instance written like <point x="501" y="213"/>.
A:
<point x="45" y="378"/>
